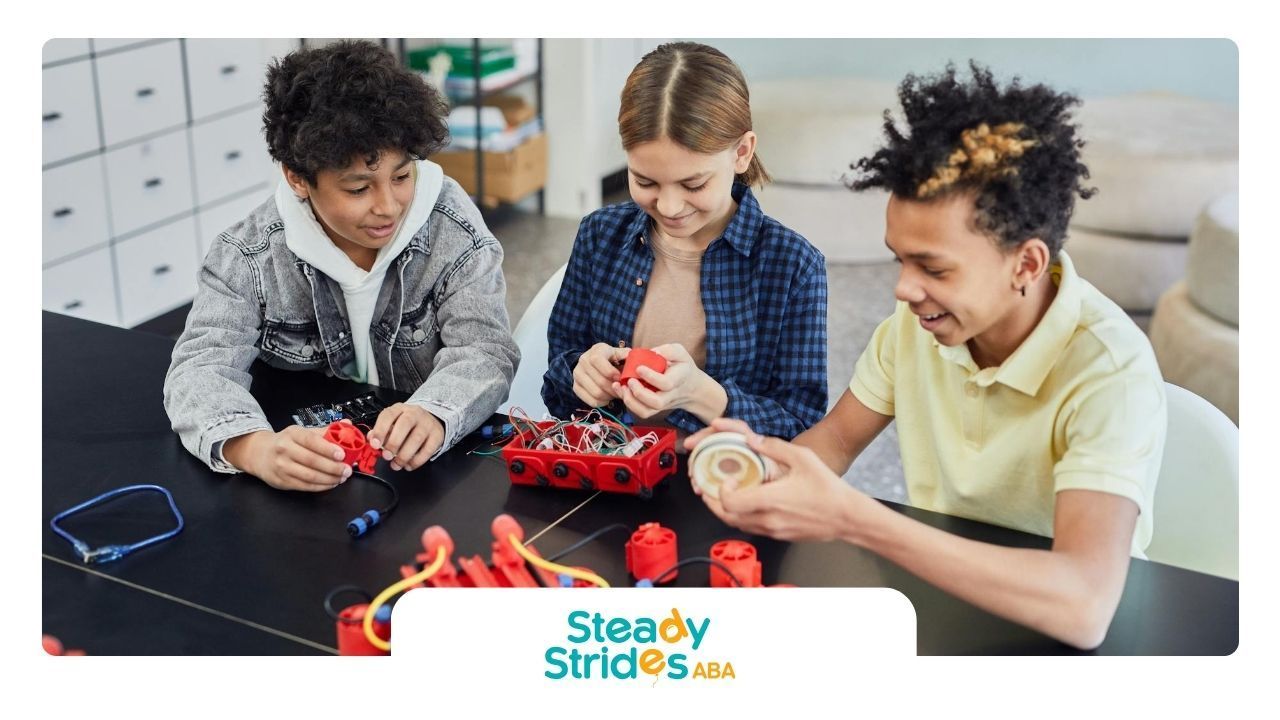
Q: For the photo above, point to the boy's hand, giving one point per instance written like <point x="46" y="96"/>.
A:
<point x="295" y="458"/>
<point x="597" y="372"/>
<point x="807" y="502"/>
<point x="408" y="436"/>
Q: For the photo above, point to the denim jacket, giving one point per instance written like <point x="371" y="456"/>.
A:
<point x="440" y="329"/>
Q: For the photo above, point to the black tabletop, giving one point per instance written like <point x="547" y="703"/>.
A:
<point x="249" y="573"/>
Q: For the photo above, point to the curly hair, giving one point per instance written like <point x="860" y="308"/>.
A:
<point x="328" y="105"/>
<point x="1014" y="148"/>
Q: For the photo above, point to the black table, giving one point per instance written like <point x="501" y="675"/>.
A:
<point x="250" y="571"/>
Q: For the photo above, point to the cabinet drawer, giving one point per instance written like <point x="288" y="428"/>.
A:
<point x="101" y="45"/>
<point x="64" y="49"/>
<point x="156" y="271"/>
<point x="84" y="287"/>
<point x="230" y="155"/>
<point x="149" y="181"/>
<point x="214" y="220"/>
<point x="141" y="91"/>
<point x="223" y="74"/>
<point x="74" y="208"/>
<point x="70" y="118"/>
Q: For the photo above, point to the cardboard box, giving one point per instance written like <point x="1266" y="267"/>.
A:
<point x="514" y="109"/>
<point x="508" y="177"/>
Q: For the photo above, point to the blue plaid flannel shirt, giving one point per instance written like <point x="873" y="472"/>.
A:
<point x="764" y="291"/>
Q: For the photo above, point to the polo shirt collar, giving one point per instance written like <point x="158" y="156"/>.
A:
<point x="1028" y="366"/>
<point x="740" y="233"/>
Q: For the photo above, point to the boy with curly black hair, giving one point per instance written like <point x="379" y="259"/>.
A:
<point x="1023" y="396"/>
<point x="367" y="263"/>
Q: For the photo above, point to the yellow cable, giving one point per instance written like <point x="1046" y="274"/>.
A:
<point x="387" y="594"/>
<point x="553" y="567"/>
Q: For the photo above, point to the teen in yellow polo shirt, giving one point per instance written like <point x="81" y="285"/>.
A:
<point x="1023" y="397"/>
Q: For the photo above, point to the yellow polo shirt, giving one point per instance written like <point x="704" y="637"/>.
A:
<point x="1079" y="405"/>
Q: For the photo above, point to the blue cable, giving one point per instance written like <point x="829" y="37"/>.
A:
<point x="108" y="553"/>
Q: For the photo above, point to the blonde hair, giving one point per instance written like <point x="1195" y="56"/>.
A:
<point x="984" y="153"/>
<point x="692" y="94"/>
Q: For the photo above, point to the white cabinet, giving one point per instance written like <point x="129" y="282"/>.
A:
<point x="74" y="209"/>
<point x="143" y="164"/>
<point x="59" y="49"/>
<point x="141" y="91"/>
<point x="69" y="124"/>
<point x="149" y="181"/>
<point x="161" y="269"/>
<point x="223" y="74"/>
<point x="83" y="286"/>
<point x="212" y="221"/>
<point x="230" y="155"/>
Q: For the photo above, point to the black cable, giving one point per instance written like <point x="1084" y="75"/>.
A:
<point x="657" y="579"/>
<point x="369" y="519"/>
<point x="395" y="495"/>
<point x="587" y="539"/>
<point x="328" y="601"/>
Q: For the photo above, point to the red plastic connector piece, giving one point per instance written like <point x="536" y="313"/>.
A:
<point x="509" y="569"/>
<point x="638" y="358"/>
<point x="740" y="557"/>
<point x="357" y="450"/>
<point x="351" y="639"/>
<point x="651" y="550"/>
<point x="53" y="646"/>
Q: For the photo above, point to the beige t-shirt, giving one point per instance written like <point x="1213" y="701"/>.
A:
<point x="672" y="308"/>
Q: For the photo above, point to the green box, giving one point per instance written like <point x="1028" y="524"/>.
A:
<point x="492" y="60"/>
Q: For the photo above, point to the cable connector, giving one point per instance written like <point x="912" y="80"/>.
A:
<point x="363" y="524"/>
<point x="104" y="554"/>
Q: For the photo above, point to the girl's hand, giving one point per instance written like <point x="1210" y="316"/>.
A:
<point x="684" y="385"/>
<point x="596" y="374"/>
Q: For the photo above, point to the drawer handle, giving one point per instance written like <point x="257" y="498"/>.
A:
<point x="62" y="212"/>
<point x="153" y="182"/>
<point x="74" y="304"/>
<point x="161" y="270"/>
<point x="50" y="117"/>
<point x="146" y="92"/>
<point x="233" y="155"/>
<point x="228" y="69"/>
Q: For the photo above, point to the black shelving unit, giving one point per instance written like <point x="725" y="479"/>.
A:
<point x="477" y="98"/>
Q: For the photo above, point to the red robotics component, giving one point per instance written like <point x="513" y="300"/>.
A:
<point x="508" y="567"/>
<point x="358" y="451"/>
<point x="638" y="358"/>
<point x="635" y="474"/>
<point x="740" y="558"/>
<point x="350" y="626"/>
<point x="53" y="646"/>
<point x="651" y="550"/>
<point x="475" y="572"/>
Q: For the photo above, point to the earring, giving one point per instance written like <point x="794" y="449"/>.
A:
<point x="1024" y="290"/>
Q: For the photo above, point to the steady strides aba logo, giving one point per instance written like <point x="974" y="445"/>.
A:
<point x="619" y="648"/>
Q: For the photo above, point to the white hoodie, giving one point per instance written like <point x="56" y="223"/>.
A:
<point x="307" y="239"/>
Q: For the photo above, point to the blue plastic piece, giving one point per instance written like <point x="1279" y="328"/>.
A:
<point x="565" y="580"/>
<point x="383" y="615"/>
<point x="644" y="582"/>
<point x="363" y="524"/>
<point x="492" y="431"/>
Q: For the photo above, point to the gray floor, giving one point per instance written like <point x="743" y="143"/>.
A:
<point x="860" y="296"/>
